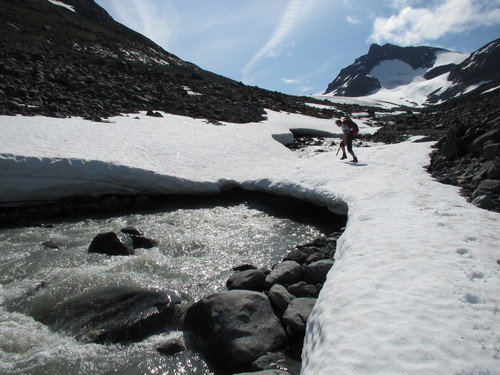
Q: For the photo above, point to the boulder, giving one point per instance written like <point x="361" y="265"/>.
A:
<point x="141" y="242"/>
<point x="234" y="328"/>
<point x="270" y="361"/>
<point x="280" y="297"/>
<point x="297" y="255"/>
<point x="303" y="289"/>
<point x="138" y="238"/>
<point x="315" y="273"/>
<point x="248" y="280"/>
<point x="484" y="201"/>
<point x="133" y="231"/>
<point x="285" y="273"/>
<point x="490" y="185"/>
<point x="298" y="312"/>
<point x="115" y="315"/>
<point x="491" y="151"/>
<point x="111" y="243"/>
<point x="171" y="347"/>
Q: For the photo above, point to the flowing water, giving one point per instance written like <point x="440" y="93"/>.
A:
<point x="198" y="246"/>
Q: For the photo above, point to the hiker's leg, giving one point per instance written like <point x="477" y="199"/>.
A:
<point x="349" y="147"/>
<point x="342" y="146"/>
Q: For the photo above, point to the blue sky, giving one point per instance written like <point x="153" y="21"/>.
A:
<point x="299" y="46"/>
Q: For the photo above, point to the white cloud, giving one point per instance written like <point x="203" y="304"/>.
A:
<point x="413" y="26"/>
<point x="291" y="18"/>
<point x="353" y="20"/>
<point x="290" y="81"/>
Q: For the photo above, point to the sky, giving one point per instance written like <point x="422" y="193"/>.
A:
<point x="300" y="46"/>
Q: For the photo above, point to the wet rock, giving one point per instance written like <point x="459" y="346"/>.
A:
<point x="303" y="289"/>
<point x="270" y="361"/>
<point x="315" y="273"/>
<point x="244" y="267"/>
<point x="171" y="347"/>
<point x="141" y="242"/>
<point x="248" y="280"/>
<point x="111" y="243"/>
<point x="52" y="245"/>
<point x="280" y="297"/>
<point x="234" y="328"/>
<point x="298" y="312"/>
<point x="285" y="273"/>
<point x="132" y="231"/>
<point x="115" y="315"/>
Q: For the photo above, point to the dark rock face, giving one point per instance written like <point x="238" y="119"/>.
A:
<point x="355" y="80"/>
<point x="111" y="316"/>
<point x="480" y="67"/>
<point x="58" y="63"/>
<point x="235" y="328"/>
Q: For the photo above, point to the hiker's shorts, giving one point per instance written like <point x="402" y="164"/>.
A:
<point x="347" y="141"/>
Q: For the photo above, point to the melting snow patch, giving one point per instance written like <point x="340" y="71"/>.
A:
<point x="60" y="3"/>
<point x="189" y="91"/>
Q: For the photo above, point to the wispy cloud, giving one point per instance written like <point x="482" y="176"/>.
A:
<point x="413" y="26"/>
<point x="148" y="20"/>
<point x="291" y="18"/>
<point x="353" y="20"/>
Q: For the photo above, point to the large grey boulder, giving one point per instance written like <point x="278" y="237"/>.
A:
<point x="315" y="273"/>
<point x="234" y="328"/>
<point x="298" y="312"/>
<point x="280" y="297"/>
<point x="248" y="280"/>
<point x="284" y="273"/>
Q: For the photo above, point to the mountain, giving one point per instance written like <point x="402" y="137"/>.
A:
<point x="65" y="58"/>
<point x="425" y="74"/>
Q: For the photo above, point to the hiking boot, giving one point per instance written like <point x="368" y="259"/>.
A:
<point x="343" y="157"/>
<point x="355" y="160"/>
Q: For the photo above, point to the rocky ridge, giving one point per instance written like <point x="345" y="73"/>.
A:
<point x="60" y="63"/>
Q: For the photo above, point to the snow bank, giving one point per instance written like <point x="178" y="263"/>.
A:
<point x="61" y="4"/>
<point x="415" y="287"/>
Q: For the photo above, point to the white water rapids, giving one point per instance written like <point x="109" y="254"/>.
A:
<point x="198" y="246"/>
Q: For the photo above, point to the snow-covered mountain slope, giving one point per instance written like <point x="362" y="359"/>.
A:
<point x="415" y="287"/>
<point x="414" y="76"/>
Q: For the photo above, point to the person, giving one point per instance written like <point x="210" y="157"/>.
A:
<point x="348" y="130"/>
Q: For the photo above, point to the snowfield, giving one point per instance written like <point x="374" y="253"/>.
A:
<point x="415" y="288"/>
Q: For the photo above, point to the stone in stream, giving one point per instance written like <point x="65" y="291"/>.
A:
<point x="112" y="243"/>
<point x="234" y="328"/>
<point x="114" y="315"/>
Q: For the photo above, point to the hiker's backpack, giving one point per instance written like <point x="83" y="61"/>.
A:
<point x="352" y="125"/>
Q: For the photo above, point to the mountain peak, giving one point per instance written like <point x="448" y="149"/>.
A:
<point x="439" y="73"/>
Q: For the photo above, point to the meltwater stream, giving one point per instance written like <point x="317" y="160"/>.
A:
<point x="198" y="246"/>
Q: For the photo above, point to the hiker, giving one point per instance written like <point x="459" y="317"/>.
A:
<point x="350" y="129"/>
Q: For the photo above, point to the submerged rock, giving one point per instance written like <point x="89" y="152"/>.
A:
<point x="115" y="315"/>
